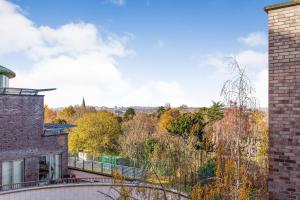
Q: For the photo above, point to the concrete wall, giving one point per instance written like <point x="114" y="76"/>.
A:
<point x="284" y="101"/>
<point x="21" y="129"/>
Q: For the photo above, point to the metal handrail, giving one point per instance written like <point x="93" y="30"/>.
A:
<point x="63" y="181"/>
<point x="23" y="91"/>
<point x="104" y="181"/>
<point x="106" y="168"/>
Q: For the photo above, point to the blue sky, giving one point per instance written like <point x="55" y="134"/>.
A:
<point x="133" y="52"/>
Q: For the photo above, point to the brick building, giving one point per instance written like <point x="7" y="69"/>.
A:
<point x="29" y="149"/>
<point x="284" y="100"/>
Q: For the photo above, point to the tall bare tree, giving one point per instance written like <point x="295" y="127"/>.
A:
<point x="237" y="92"/>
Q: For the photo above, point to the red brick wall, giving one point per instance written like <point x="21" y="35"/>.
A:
<point x="21" y="128"/>
<point x="284" y="102"/>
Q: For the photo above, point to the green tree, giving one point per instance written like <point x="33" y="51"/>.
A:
<point x="129" y="114"/>
<point x="215" y="112"/>
<point x="160" y="110"/>
<point x="96" y="132"/>
<point x="188" y="124"/>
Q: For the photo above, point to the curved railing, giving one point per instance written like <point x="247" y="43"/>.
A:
<point x="92" y="166"/>
<point x="85" y="181"/>
<point x="57" y="182"/>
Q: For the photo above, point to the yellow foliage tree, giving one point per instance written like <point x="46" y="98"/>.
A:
<point x="167" y="118"/>
<point x="67" y="114"/>
<point x="95" y="132"/>
<point x="259" y="127"/>
<point x="49" y="114"/>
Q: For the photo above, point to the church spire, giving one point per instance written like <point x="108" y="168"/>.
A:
<point x="83" y="103"/>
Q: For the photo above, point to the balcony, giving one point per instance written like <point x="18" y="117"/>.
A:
<point x="84" y="188"/>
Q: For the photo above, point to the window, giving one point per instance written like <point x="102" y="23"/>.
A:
<point x="3" y="81"/>
<point x="50" y="167"/>
<point x="12" y="172"/>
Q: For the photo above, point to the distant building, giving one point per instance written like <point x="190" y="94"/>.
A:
<point x="29" y="149"/>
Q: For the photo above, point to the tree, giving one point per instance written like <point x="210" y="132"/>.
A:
<point x="188" y="124"/>
<point x="215" y="112"/>
<point x="238" y="136"/>
<point x="129" y="114"/>
<point x="167" y="118"/>
<point x="67" y="114"/>
<point x="167" y="106"/>
<point x="237" y="92"/>
<point x="160" y="110"/>
<point x="259" y="127"/>
<point x="95" y="132"/>
<point x="49" y="114"/>
<point x="59" y="121"/>
<point x="80" y="111"/>
<point x="183" y="107"/>
<point x="136" y="133"/>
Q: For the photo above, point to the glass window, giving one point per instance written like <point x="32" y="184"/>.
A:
<point x="44" y="168"/>
<point x="50" y="167"/>
<point x="12" y="172"/>
<point x="57" y="166"/>
<point x="3" y="81"/>
<point x="18" y="168"/>
<point x="6" y="173"/>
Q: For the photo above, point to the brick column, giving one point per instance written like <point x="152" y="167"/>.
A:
<point x="284" y="100"/>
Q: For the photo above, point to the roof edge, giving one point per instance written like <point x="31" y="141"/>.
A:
<point x="282" y="5"/>
<point x="7" y="72"/>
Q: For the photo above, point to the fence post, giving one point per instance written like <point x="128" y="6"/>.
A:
<point x="185" y="181"/>
<point x="75" y="160"/>
<point x="92" y="165"/>
<point x="101" y="168"/>
<point x="83" y="164"/>
<point x="133" y="172"/>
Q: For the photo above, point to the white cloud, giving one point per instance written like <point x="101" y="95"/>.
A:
<point x="255" y="39"/>
<point x="255" y="63"/>
<point x="79" y="60"/>
<point x="261" y="87"/>
<point x="17" y="32"/>
<point x="153" y="89"/>
<point x="253" y="59"/>
<point x="118" y="2"/>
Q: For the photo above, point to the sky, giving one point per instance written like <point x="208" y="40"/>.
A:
<point x="133" y="52"/>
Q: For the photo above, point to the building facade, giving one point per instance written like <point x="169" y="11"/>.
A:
<point x="284" y="100"/>
<point x="29" y="149"/>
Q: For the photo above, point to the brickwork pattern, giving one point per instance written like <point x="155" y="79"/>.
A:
<point x="21" y="134"/>
<point x="284" y="103"/>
